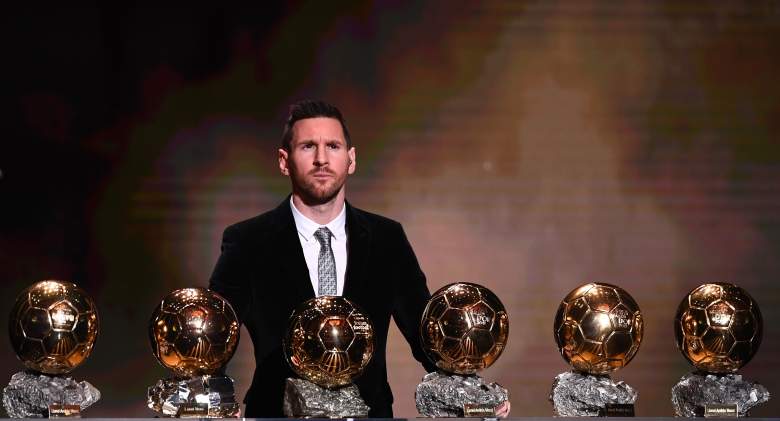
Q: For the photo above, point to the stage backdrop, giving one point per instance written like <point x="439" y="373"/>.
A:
<point x="527" y="146"/>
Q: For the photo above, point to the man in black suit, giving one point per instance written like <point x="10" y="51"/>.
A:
<point x="315" y="243"/>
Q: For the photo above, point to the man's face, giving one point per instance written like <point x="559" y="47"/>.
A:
<point x="318" y="161"/>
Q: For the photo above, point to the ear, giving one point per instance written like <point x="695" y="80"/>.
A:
<point x="352" y="163"/>
<point x="283" y="162"/>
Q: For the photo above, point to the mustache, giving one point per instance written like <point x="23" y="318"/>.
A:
<point x="321" y="171"/>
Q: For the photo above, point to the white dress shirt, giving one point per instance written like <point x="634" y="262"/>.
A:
<point x="311" y="247"/>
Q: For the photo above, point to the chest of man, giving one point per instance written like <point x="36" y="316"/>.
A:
<point x="280" y="281"/>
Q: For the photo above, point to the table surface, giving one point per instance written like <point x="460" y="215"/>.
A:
<point x="462" y="419"/>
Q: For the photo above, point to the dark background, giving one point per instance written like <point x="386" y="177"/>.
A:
<point x="527" y="146"/>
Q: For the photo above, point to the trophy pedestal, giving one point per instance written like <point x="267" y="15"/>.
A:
<point x="452" y="395"/>
<point x="713" y="395"/>
<point x="304" y="399"/>
<point x="32" y="395"/>
<point x="196" y="397"/>
<point x="576" y="394"/>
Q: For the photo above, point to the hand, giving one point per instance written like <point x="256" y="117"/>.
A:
<point x="502" y="411"/>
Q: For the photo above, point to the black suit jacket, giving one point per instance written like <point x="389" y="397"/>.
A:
<point x="263" y="274"/>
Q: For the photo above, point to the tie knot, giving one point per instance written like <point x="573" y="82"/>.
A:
<point x="323" y="236"/>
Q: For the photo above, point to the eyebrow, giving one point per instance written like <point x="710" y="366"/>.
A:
<point x="326" y="140"/>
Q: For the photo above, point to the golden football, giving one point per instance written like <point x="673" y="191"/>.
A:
<point x="329" y="341"/>
<point x="193" y="331"/>
<point x="53" y="326"/>
<point x="598" y="328"/>
<point x="464" y="328"/>
<point x="718" y="327"/>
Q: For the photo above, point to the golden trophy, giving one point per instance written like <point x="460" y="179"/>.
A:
<point x="598" y="329"/>
<point x="329" y="342"/>
<point x="53" y="327"/>
<point x="464" y="329"/>
<point x="194" y="332"/>
<point x="718" y="329"/>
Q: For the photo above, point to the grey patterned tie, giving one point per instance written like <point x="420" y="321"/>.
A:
<point x="326" y="263"/>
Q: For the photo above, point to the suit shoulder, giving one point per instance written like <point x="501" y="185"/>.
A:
<point x="252" y="227"/>
<point x="377" y="222"/>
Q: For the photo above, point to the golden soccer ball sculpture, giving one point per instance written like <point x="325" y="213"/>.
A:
<point x="194" y="332"/>
<point x="53" y="327"/>
<point x="598" y="328"/>
<point x="329" y="341"/>
<point x="718" y="327"/>
<point x="464" y="328"/>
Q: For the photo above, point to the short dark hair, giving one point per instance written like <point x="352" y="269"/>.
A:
<point x="311" y="109"/>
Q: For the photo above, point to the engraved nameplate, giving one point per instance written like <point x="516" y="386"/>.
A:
<point x="477" y="410"/>
<point x="718" y="410"/>
<point x="57" y="410"/>
<point x="193" y="410"/>
<point x="617" y="410"/>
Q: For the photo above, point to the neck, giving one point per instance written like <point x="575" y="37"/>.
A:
<point x="321" y="213"/>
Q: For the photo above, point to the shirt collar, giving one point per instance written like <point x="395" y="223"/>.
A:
<point x="306" y="227"/>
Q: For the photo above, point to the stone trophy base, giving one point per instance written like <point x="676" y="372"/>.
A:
<point x="576" y="394"/>
<point x="451" y="395"/>
<point x="35" y="395"/>
<point x="196" y="397"/>
<point x="304" y="399"/>
<point x="718" y="395"/>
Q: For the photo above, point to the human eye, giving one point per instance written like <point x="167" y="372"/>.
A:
<point x="334" y="145"/>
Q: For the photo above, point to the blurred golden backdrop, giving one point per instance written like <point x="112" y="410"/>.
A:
<point x="526" y="146"/>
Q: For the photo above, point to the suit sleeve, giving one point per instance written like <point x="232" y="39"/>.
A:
<point x="229" y="278"/>
<point x="411" y="296"/>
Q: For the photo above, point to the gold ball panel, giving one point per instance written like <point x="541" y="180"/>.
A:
<point x="329" y="341"/>
<point x="53" y="326"/>
<point x="718" y="327"/>
<point x="464" y="328"/>
<point x="193" y="331"/>
<point x="598" y="328"/>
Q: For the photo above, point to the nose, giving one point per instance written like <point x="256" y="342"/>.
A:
<point x="320" y="157"/>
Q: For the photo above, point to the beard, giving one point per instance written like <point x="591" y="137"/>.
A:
<point x="317" y="192"/>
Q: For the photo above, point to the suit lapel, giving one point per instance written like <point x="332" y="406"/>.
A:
<point x="358" y="245"/>
<point x="290" y="253"/>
